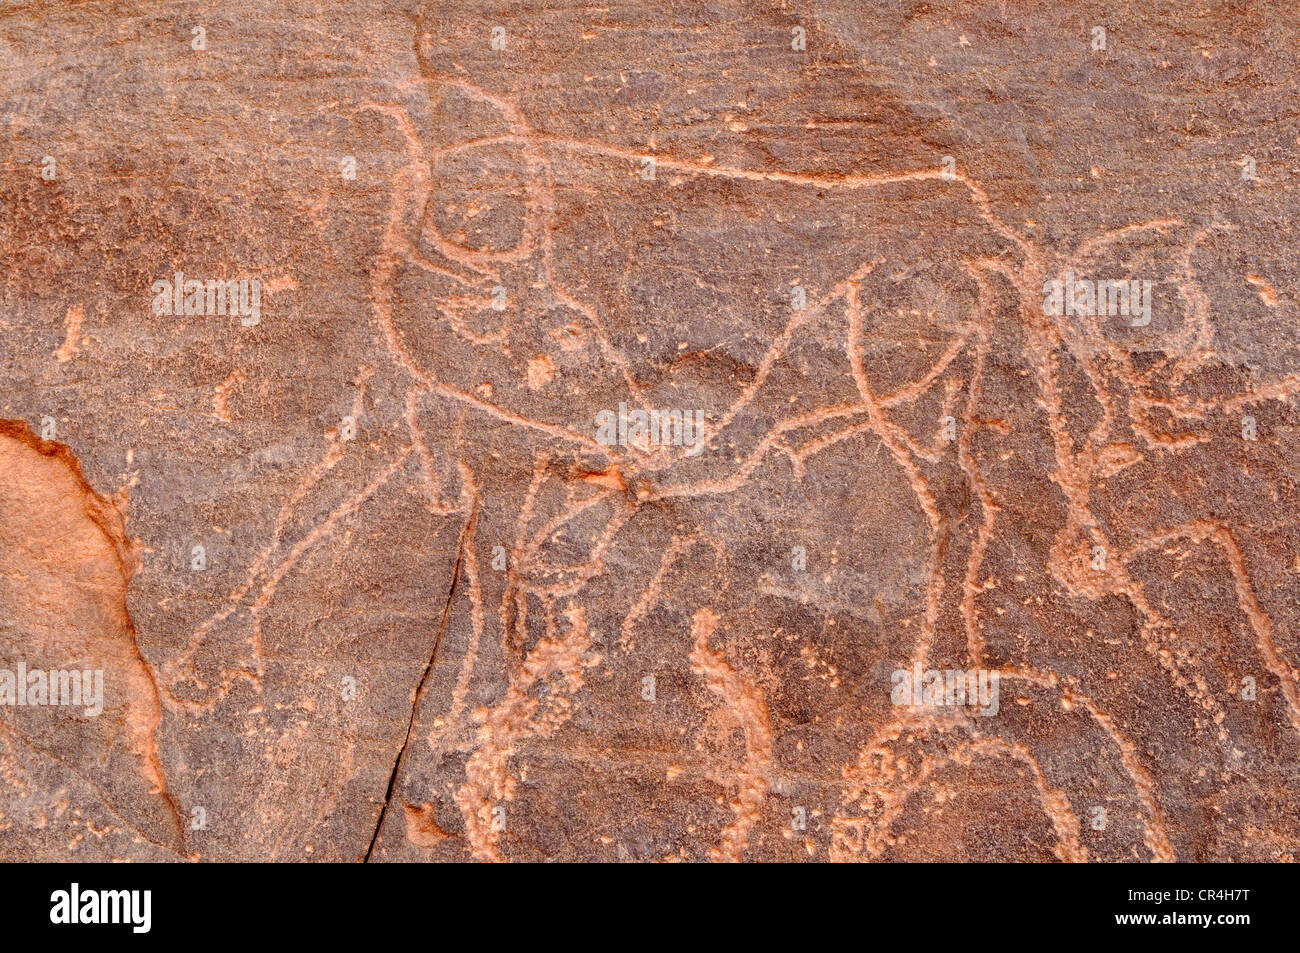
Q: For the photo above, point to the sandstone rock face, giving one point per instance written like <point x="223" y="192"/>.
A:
<point x="330" y="335"/>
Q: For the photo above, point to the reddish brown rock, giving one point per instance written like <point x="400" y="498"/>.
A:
<point x="363" y="575"/>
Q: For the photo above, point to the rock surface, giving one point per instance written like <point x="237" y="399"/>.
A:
<point x="366" y="580"/>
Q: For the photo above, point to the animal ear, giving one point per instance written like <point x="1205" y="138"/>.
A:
<point x="487" y="204"/>
<point x="1125" y="291"/>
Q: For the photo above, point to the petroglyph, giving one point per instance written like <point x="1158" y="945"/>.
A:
<point x="932" y="377"/>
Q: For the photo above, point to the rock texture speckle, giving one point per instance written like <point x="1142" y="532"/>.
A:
<point x="374" y="551"/>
